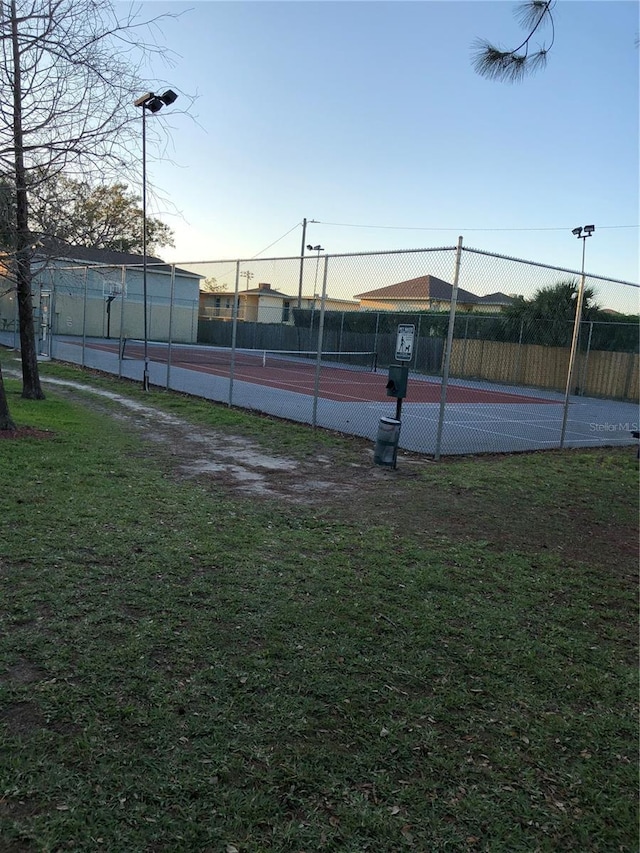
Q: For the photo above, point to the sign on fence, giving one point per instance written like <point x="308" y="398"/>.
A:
<point x="404" y="342"/>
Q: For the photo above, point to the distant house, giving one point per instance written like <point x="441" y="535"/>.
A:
<point x="99" y="293"/>
<point x="493" y="302"/>
<point x="264" y="304"/>
<point x="427" y="293"/>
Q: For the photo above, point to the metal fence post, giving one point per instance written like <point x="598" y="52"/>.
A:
<point x="123" y="286"/>
<point x="572" y="352"/>
<point x="84" y="316"/>
<point x="316" y="384"/>
<point x="516" y="378"/>
<point x="169" y="342"/>
<point x="417" y="343"/>
<point x="53" y="326"/>
<point x="234" y="333"/>
<point x="375" y="337"/>
<point x="585" y="361"/>
<point x="16" y="322"/>
<point x="464" y="346"/>
<point x="447" y="354"/>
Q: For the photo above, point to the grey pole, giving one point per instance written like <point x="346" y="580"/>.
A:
<point x="576" y="332"/>
<point x="153" y="103"/>
<point x="585" y="363"/>
<point x="170" y="341"/>
<point x="516" y="377"/>
<point x="84" y="316"/>
<point x="304" y="234"/>
<point x="145" y="373"/>
<point x="234" y="332"/>
<point x="316" y="384"/>
<point x="123" y="280"/>
<point x="16" y="322"/>
<point x="302" y="248"/>
<point x="447" y="353"/>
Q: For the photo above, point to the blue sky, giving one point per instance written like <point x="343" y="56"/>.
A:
<point x="370" y="114"/>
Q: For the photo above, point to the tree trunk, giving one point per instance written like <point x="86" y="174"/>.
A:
<point x="6" y="424"/>
<point x="30" y="375"/>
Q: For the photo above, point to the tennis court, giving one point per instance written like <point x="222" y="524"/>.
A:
<point x="350" y="377"/>
<point x="479" y="417"/>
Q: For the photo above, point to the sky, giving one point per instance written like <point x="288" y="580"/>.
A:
<point x="369" y="118"/>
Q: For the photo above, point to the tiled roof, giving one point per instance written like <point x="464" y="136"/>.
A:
<point x="425" y="287"/>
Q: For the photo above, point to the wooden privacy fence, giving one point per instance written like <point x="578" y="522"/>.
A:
<point x="598" y="373"/>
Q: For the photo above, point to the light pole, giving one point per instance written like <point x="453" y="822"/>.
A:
<point x="317" y="249"/>
<point x="304" y="235"/>
<point x="153" y="103"/>
<point x="581" y="233"/>
<point x="248" y="275"/>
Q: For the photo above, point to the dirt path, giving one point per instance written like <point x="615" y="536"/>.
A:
<point x="235" y="461"/>
<point x="421" y="499"/>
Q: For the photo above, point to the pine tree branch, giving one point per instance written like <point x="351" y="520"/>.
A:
<point x="514" y="65"/>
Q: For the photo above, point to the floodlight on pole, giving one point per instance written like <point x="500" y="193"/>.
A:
<point x="582" y="232"/>
<point x="153" y="103"/>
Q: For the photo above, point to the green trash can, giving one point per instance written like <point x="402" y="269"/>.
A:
<point x="386" y="449"/>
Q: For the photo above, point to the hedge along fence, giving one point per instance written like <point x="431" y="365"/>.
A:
<point x="598" y="373"/>
<point x="620" y="333"/>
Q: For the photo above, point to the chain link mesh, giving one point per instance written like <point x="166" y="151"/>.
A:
<point x="329" y="324"/>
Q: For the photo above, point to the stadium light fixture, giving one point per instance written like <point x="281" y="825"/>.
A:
<point x="582" y="232"/>
<point x="152" y="103"/>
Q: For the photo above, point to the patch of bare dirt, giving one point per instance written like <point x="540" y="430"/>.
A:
<point x="24" y="672"/>
<point x="22" y="718"/>
<point x="24" y="432"/>
<point x="348" y="485"/>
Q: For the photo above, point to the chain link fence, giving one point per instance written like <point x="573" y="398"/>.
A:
<point x="498" y="362"/>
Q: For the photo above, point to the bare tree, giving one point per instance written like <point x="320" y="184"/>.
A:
<point x="69" y="70"/>
<point x="6" y="424"/>
<point x="211" y="285"/>
<point x="513" y="65"/>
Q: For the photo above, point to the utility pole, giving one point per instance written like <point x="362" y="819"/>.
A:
<point x="248" y="275"/>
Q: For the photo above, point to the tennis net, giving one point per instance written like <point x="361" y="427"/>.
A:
<point x="266" y="358"/>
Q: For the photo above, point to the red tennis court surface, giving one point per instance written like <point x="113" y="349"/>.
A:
<point x="338" y="383"/>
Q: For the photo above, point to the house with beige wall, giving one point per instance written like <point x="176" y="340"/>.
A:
<point x="264" y="304"/>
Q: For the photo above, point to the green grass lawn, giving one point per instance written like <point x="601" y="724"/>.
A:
<point x="183" y="668"/>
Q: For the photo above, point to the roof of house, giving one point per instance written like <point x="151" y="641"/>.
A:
<point x="261" y="290"/>
<point x="497" y="298"/>
<point x="425" y="287"/>
<point x="62" y="250"/>
<point x="253" y="291"/>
